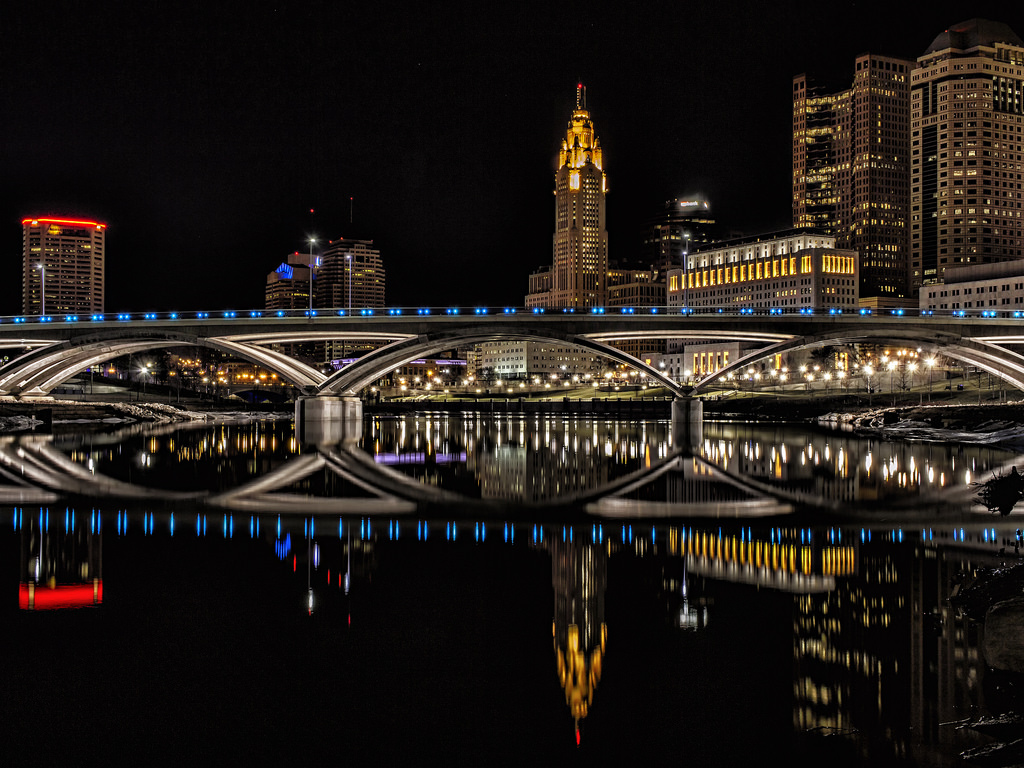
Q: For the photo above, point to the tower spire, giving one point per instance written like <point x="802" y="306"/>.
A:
<point x="581" y="96"/>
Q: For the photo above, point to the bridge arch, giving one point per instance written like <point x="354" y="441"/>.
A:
<point x="351" y="380"/>
<point x="987" y="353"/>
<point x="38" y="371"/>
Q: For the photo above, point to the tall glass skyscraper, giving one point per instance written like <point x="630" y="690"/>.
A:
<point x="967" y="147"/>
<point x="851" y="169"/>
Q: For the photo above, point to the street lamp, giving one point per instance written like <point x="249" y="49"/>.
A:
<point x="686" y="270"/>
<point x="42" y="289"/>
<point x="348" y="258"/>
<point x="930" y="362"/>
<point x="892" y="370"/>
<point x="312" y="242"/>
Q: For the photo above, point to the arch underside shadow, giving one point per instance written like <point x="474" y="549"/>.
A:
<point x="38" y="371"/>
<point x="987" y="353"/>
<point x="350" y="381"/>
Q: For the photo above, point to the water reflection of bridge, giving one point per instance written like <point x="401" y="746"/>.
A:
<point x="38" y="472"/>
<point x="510" y="465"/>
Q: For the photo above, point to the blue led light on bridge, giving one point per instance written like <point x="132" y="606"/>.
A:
<point x="366" y="312"/>
<point x="394" y="311"/>
<point x="230" y="313"/>
<point x="97" y="318"/>
<point x="124" y="316"/>
<point x="255" y="313"/>
<point x="989" y="313"/>
<point x="897" y="312"/>
<point x="597" y="310"/>
<point x="865" y="311"/>
<point x="202" y="315"/>
<point x="538" y="310"/>
<point x="569" y="310"/>
<point x="509" y="310"/>
<point x="71" y="319"/>
<point x="806" y="311"/>
<point x="173" y="316"/>
<point x="280" y="313"/>
<point x="422" y="311"/>
<point x="628" y="311"/>
<point x="452" y="311"/>
<point x="835" y="311"/>
<point x="480" y="311"/>
<point x="744" y="311"/>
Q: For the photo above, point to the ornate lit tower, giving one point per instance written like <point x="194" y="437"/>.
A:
<point x="580" y="267"/>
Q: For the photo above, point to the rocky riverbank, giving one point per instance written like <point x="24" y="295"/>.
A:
<point x="21" y="415"/>
<point x="993" y="424"/>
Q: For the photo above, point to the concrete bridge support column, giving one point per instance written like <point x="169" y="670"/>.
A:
<point x="687" y="422"/>
<point x="328" y="420"/>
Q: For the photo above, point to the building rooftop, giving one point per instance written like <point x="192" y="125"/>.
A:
<point x="973" y="33"/>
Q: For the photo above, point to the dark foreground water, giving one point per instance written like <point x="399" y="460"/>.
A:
<point x="774" y="595"/>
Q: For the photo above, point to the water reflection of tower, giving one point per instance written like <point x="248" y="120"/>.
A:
<point x="579" y="576"/>
<point x="61" y="560"/>
<point x="534" y="461"/>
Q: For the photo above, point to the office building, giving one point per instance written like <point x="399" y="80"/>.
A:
<point x="976" y="288"/>
<point x="684" y="224"/>
<point x="795" y="270"/>
<point x="967" y="101"/>
<point x="536" y="360"/>
<point x="637" y="288"/>
<point x="351" y="275"/>
<point x="289" y="286"/>
<point x="851" y="170"/>
<point x="580" y="246"/>
<point x="62" y="266"/>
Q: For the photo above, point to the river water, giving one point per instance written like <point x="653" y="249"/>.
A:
<point x="490" y="591"/>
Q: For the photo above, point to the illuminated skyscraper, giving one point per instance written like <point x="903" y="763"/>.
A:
<point x="62" y="266"/>
<point x="967" y="104"/>
<point x="351" y="275"/>
<point x="684" y="224"/>
<point x="851" y="169"/>
<point x="580" y="265"/>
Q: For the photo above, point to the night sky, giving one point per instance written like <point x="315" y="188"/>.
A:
<point x="203" y="133"/>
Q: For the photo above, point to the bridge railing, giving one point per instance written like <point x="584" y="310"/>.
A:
<point x="378" y="313"/>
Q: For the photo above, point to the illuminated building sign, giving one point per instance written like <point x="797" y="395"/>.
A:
<point x="66" y="222"/>
<point x="40" y="597"/>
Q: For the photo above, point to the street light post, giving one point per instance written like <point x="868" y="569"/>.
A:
<point x="42" y="289"/>
<point x="686" y="270"/>
<point x="312" y="242"/>
<point x="348" y="257"/>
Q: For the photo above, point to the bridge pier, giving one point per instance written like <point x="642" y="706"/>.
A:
<point x="687" y="422"/>
<point x="328" y="420"/>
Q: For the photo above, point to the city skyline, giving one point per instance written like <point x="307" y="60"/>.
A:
<point x="203" y="137"/>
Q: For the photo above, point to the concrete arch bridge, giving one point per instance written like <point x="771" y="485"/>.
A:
<point x="45" y="351"/>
